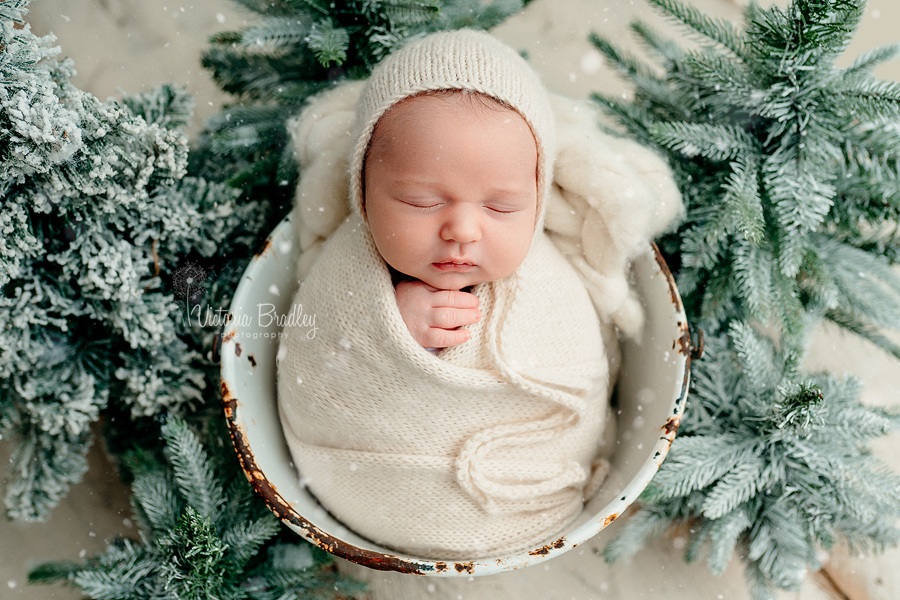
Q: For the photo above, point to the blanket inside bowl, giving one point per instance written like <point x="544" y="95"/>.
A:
<point x="482" y="450"/>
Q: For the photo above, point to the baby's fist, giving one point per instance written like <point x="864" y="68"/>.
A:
<point x="435" y="317"/>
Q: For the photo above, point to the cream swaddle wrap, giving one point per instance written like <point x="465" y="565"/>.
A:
<point x="479" y="451"/>
<point x="488" y="447"/>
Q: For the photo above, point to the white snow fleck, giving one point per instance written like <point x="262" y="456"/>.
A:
<point x="353" y="466"/>
<point x="646" y="396"/>
<point x="220" y="17"/>
<point x="300" y="381"/>
<point x="12" y="584"/>
<point x="82" y="553"/>
<point x="679" y="543"/>
<point x="638" y="422"/>
<point x="66" y="18"/>
<point x="431" y="588"/>
<point x="876" y="14"/>
<point x="127" y="523"/>
<point x="285" y="246"/>
<point x="273" y="289"/>
<point x="345" y="343"/>
<point x="591" y="62"/>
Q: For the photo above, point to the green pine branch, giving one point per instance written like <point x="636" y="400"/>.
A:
<point x="191" y="552"/>
<point x="788" y="168"/>
<point x="716" y="30"/>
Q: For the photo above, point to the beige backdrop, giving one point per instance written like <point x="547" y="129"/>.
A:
<point x="134" y="45"/>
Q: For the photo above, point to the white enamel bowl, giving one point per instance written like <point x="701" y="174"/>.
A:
<point x="651" y="395"/>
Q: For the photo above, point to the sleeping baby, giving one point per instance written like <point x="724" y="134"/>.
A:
<point x="453" y="401"/>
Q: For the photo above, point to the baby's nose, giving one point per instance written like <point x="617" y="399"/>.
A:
<point x="461" y="226"/>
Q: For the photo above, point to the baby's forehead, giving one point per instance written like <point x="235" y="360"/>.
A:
<point x="479" y="105"/>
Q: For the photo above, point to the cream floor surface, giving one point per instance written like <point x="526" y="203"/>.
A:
<point x="134" y="45"/>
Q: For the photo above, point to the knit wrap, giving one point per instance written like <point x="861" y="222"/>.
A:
<point x="482" y="450"/>
<point x="455" y="60"/>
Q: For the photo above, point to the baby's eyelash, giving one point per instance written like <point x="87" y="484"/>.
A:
<point x="419" y="205"/>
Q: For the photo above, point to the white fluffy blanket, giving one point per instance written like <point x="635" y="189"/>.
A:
<point x="488" y="447"/>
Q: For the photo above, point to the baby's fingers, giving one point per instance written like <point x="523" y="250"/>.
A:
<point x="444" y="338"/>
<point x="451" y="318"/>
<point x="455" y="299"/>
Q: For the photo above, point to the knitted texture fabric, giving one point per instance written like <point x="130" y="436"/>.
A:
<point x="482" y="450"/>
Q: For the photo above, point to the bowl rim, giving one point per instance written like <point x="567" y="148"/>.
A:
<point x="388" y="561"/>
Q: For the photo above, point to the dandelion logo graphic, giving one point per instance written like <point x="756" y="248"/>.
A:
<point x="187" y="282"/>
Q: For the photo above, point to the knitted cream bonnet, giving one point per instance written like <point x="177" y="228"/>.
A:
<point x="465" y="59"/>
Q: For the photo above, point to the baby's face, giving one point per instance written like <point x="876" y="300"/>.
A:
<point x="451" y="190"/>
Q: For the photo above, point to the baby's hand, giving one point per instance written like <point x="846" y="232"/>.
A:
<point x="433" y="316"/>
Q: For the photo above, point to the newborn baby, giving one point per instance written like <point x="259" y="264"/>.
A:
<point x="462" y="216"/>
<point x="453" y="399"/>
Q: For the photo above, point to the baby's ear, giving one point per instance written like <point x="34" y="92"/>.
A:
<point x="322" y="140"/>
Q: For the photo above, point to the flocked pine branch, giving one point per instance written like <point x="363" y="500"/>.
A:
<point x="96" y="216"/>
<point x="788" y="166"/>
<point x="791" y="144"/>
<point x="203" y="534"/>
<point x="774" y="466"/>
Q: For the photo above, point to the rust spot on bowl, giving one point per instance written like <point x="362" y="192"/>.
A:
<point x="228" y="401"/>
<point x="237" y="349"/>
<point x="672" y="425"/>
<point x="610" y="519"/>
<point x="252" y="360"/>
<point x="544" y="550"/>
<point x="229" y="337"/>
<point x="467" y="567"/>
<point x="684" y="341"/>
<point x="440" y="567"/>
<point x="266" y="247"/>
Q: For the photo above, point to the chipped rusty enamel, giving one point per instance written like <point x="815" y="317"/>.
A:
<point x="544" y="550"/>
<point x="264" y="250"/>
<point x="248" y="372"/>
